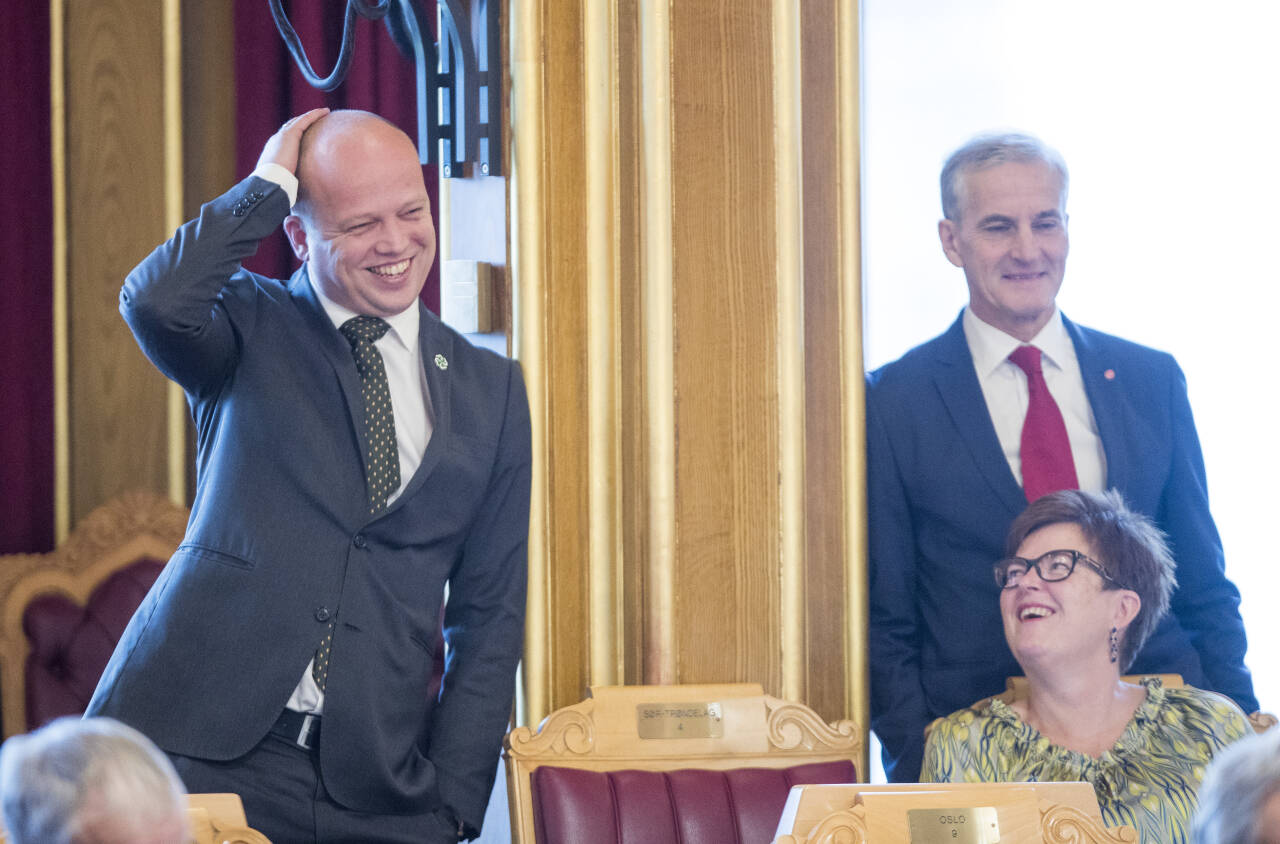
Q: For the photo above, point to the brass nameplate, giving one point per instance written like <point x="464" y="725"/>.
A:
<point x="974" y="825"/>
<point x="680" y="720"/>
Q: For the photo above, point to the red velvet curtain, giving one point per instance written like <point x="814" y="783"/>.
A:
<point x="26" y="292"/>
<point x="270" y="89"/>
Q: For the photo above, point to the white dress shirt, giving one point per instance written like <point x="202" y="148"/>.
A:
<point x="410" y="402"/>
<point x="1004" y="386"/>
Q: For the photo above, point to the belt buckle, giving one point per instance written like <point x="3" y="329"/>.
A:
<point x="306" y="739"/>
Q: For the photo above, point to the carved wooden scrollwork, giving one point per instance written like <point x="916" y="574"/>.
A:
<point x="1262" y="721"/>
<point x="131" y="515"/>
<point x="239" y="835"/>
<point x="848" y="826"/>
<point x="793" y="727"/>
<point x="1065" y="825"/>
<point x="568" y="731"/>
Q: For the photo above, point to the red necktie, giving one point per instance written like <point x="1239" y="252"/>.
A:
<point x="1047" y="465"/>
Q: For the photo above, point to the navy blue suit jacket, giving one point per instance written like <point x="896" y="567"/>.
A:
<point x="280" y="540"/>
<point x="941" y="497"/>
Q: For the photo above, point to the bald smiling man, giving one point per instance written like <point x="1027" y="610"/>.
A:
<point x="354" y="456"/>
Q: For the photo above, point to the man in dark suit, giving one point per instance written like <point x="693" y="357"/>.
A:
<point x="945" y="460"/>
<point x="354" y="456"/>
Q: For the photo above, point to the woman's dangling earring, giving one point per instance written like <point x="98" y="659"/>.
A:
<point x="1115" y="645"/>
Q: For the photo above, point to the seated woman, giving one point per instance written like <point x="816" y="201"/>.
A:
<point x="1085" y="584"/>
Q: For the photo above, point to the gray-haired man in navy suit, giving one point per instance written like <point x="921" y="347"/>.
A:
<point x="945" y="468"/>
<point x="286" y="651"/>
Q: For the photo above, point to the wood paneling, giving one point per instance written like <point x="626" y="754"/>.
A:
<point x="115" y="181"/>
<point x="726" y="362"/>
<point x="684" y="302"/>
<point x="144" y="117"/>
<point x="824" y="545"/>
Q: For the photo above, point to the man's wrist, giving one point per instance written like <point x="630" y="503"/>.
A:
<point x="279" y="174"/>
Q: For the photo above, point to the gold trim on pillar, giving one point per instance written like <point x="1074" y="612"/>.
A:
<point x="789" y="205"/>
<point x="528" y="267"/>
<point x="660" y="665"/>
<point x="173" y="214"/>
<point x="604" y="374"/>
<point x="848" y="169"/>
<point x="61" y="338"/>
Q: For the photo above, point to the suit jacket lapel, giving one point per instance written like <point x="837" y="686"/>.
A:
<point x="957" y="383"/>
<point x="333" y="347"/>
<point x="1103" y="382"/>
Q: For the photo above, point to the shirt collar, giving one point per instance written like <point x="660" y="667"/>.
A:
<point x="404" y="325"/>
<point x="990" y="347"/>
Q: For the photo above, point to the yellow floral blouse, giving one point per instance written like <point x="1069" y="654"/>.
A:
<point x="1147" y="781"/>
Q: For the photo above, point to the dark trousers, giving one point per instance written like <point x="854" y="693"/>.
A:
<point x="285" y="799"/>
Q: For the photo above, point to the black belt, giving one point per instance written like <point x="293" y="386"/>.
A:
<point x="301" y="728"/>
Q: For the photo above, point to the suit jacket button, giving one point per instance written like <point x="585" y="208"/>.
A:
<point x="359" y="541"/>
<point x="322" y="614"/>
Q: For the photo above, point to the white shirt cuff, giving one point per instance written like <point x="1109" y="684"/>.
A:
<point x="273" y="172"/>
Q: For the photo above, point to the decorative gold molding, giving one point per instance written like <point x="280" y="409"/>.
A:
<point x="1067" y="825"/>
<point x="604" y="366"/>
<point x="848" y="826"/>
<point x="848" y="168"/>
<point x="131" y="514"/>
<point x="528" y="294"/>
<point x="660" y="656"/>
<point x="795" y="727"/>
<point x="176" y="404"/>
<point x="566" y="731"/>
<point x="1059" y="824"/>
<point x="61" y="338"/>
<point x="789" y="223"/>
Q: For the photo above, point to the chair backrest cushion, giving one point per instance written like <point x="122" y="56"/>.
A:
<point x="691" y="806"/>
<point x="70" y="644"/>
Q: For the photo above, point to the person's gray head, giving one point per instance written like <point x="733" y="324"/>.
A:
<point x="90" y="781"/>
<point x="1240" y="795"/>
<point x="991" y="150"/>
<point x="1126" y="544"/>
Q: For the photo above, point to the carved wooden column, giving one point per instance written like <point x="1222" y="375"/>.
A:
<point x="131" y="127"/>
<point x="684" y="195"/>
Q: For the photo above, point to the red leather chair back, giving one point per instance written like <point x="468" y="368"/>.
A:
<point x="70" y="644"/>
<point x="737" y="806"/>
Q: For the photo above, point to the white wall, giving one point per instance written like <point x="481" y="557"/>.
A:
<point x="1166" y="113"/>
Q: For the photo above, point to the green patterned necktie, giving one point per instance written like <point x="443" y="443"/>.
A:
<point x="381" y="455"/>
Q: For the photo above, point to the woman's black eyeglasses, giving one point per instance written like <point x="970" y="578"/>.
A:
<point x="1051" y="567"/>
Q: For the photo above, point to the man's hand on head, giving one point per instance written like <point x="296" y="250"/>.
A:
<point x="282" y="147"/>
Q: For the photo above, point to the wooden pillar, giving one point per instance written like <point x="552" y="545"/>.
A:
<point x="131" y="128"/>
<point x="115" y="83"/>
<point x="685" y="259"/>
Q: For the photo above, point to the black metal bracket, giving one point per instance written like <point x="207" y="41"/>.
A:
<point x="459" y="80"/>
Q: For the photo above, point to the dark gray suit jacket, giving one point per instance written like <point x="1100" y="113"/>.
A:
<point x="280" y="541"/>
<point x="941" y="497"/>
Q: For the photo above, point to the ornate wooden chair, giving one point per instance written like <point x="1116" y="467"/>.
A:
<point x="215" y="819"/>
<point x="696" y="764"/>
<point x="1028" y="812"/>
<point x="61" y="613"/>
<point x="219" y="819"/>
